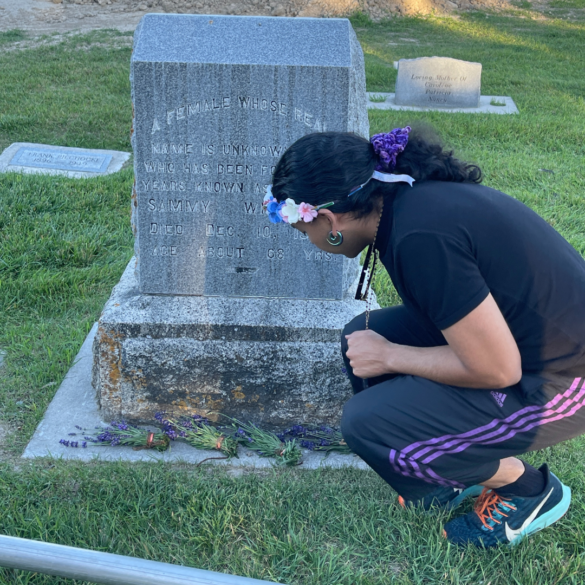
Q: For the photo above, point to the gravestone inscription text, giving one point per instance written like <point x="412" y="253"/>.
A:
<point x="207" y="136"/>
<point x="438" y="81"/>
<point x="56" y="159"/>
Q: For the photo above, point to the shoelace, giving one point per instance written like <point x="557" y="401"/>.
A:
<point x="488" y="503"/>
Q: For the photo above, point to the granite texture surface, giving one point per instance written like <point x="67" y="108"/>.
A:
<point x="439" y="82"/>
<point x="71" y="162"/>
<point x="217" y="100"/>
<point x="75" y="403"/>
<point x="274" y="362"/>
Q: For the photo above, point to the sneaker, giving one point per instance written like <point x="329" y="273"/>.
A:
<point x="495" y="520"/>
<point x="443" y="498"/>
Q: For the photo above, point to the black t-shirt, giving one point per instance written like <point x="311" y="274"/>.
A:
<point x="446" y="246"/>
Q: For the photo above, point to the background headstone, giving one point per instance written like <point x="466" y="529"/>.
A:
<point x="217" y="101"/>
<point x="438" y="82"/>
<point x="72" y="162"/>
<point x="223" y="312"/>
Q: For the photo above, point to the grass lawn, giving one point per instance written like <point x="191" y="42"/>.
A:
<point x="64" y="244"/>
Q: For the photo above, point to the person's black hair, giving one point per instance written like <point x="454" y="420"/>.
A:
<point x="327" y="166"/>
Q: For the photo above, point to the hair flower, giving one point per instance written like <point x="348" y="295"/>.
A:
<point x="307" y="212"/>
<point x="290" y="211"/>
<point x="272" y="207"/>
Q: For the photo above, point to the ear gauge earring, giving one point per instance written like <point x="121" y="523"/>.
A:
<point x="334" y="240"/>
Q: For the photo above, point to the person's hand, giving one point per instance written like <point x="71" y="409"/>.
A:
<point x="370" y="354"/>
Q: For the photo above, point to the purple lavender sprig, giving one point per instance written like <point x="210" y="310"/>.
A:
<point x="267" y="444"/>
<point x="199" y="433"/>
<point x="122" y="433"/>
<point x="322" y="438"/>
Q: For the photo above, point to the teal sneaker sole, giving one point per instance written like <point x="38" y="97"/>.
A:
<point x="548" y="518"/>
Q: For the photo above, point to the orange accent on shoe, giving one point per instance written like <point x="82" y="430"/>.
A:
<point x="487" y="503"/>
<point x="401" y="501"/>
<point x="444" y="533"/>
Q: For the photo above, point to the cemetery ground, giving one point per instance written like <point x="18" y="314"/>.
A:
<point x="64" y="244"/>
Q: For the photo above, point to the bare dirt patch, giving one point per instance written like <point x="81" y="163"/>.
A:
<point x="59" y="16"/>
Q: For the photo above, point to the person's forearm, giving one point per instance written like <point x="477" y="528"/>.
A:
<point x="442" y="365"/>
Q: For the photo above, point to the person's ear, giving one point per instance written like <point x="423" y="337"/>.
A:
<point x="331" y="218"/>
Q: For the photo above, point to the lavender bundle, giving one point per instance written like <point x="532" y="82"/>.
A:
<point x="319" y="439"/>
<point x="199" y="433"/>
<point x="122" y="433"/>
<point x="267" y="444"/>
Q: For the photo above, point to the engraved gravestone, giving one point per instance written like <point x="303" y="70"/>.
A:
<point x="217" y="100"/>
<point x="438" y="82"/>
<point x="222" y="311"/>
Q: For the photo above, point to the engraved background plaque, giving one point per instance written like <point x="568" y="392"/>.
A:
<point x="438" y="82"/>
<point x="55" y="158"/>
<point x="217" y="100"/>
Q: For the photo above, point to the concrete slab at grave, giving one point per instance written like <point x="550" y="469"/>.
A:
<point x="488" y="104"/>
<point x="44" y="159"/>
<point x="75" y="403"/>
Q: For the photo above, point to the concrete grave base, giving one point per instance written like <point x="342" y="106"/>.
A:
<point x="273" y="362"/>
<point x="485" y="105"/>
<point x="75" y="403"/>
<point x="67" y="158"/>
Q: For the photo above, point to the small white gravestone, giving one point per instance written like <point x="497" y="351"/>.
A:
<point x="438" y="82"/>
<point x="71" y="162"/>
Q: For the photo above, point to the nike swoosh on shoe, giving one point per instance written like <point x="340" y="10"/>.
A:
<point x="514" y="533"/>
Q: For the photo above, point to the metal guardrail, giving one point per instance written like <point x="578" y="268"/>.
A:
<point x="104" y="568"/>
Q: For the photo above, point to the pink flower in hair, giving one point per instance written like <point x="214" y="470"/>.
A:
<point x="307" y="212"/>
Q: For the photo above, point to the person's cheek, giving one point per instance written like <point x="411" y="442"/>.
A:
<point x="312" y="238"/>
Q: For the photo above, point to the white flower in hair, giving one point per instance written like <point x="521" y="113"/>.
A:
<point x="290" y="211"/>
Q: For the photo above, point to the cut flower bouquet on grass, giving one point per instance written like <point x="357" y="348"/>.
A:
<point x="198" y="431"/>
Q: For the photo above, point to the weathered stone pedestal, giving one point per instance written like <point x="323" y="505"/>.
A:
<point x="274" y="362"/>
<point x="222" y="311"/>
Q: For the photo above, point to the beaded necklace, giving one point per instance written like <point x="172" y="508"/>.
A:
<point x="372" y="256"/>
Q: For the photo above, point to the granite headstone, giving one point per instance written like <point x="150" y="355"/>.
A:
<point x="217" y="100"/>
<point x="438" y="82"/>
<point x="221" y="311"/>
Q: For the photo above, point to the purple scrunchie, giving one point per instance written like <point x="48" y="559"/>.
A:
<point x="389" y="144"/>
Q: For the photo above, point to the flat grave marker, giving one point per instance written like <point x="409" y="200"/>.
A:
<point x="48" y="158"/>
<point x="61" y="160"/>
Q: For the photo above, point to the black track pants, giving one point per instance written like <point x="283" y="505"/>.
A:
<point x="417" y="434"/>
